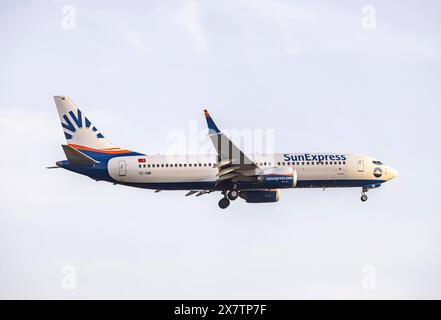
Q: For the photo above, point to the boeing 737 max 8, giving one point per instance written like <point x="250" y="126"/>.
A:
<point x="254" y="178"/>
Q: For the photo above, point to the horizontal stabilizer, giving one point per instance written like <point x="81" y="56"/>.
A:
<point x="77" y="157"/>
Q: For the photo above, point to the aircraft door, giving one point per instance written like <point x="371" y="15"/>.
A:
<point x="360" y="164"/>
<point x="122" y="168"/>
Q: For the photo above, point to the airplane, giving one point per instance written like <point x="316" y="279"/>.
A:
<point x="256" y="178"/>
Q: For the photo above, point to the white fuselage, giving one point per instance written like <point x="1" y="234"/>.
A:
<point x="313" y="169"/>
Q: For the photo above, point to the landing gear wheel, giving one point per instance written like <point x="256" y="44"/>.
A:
<point x="232" y="194"/>
<point x="224" y="203"/>
<point x="364" y="197"/>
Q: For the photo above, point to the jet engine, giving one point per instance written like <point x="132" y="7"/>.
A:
<point x="260" y="196"/>
<point x="278" y="177"/>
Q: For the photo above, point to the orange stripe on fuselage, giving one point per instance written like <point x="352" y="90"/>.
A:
<point x="107" y="151"/>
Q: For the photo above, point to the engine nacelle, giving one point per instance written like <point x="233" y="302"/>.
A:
<point x="279" y="177"/>
<point x="260" y="196"/>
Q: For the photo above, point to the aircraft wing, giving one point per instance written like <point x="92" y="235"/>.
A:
<point x="197" y="192"/>
<point x="233" y="164"/>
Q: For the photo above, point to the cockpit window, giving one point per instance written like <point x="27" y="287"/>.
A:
<point x="377" y="162"/>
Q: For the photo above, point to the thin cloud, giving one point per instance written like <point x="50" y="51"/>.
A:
<point x="135" y="40"/>
<point x="283" y="15"/>
<point x="280" y="11"/>
<point x="187" y="17"/>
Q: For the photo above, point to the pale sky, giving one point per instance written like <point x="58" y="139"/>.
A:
<point x="311" y="72"/>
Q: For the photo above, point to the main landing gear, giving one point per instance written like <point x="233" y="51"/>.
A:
<point x="224" y="203"/>
<point x="364" y="197"/>
<point x="230" y="195"/>
<point x="233" y="194"/>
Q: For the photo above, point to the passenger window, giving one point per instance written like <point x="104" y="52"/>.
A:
<point x="148" y="165"/>
<point x="303" y="163"/>
<point x="162" y="165"/>
<point x="180" y="164"/>
<point x="307" y="163"/>
<point x="205" y="164"/>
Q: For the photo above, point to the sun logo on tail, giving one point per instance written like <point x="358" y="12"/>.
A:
<point x="80" y="121"/>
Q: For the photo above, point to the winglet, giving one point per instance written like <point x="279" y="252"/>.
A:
<point x="212" y="128"/>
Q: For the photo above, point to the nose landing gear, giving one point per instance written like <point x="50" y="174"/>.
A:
<point x="364" y="197"/>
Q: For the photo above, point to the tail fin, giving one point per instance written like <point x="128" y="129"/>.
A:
<point x="81" y="134"/>
<point x="78" y="129"/>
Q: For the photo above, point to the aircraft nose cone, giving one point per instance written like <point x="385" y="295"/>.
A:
<point x="392" y="173"/>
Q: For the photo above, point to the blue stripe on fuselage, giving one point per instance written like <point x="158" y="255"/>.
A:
<point x="97" y="172"/>
<point x="212" y="185"/>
